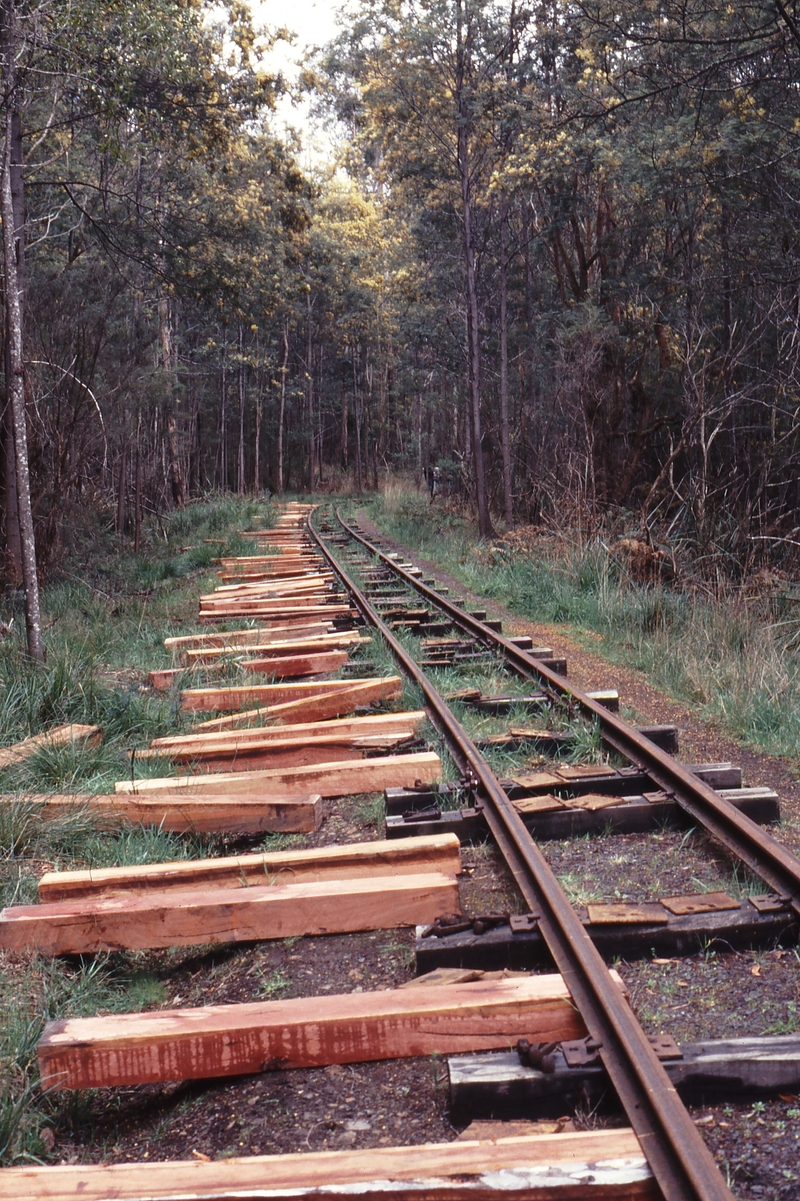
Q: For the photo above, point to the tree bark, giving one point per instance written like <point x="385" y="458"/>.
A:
<point x="13" y="541"/>
<point x="282" y="409"/>
<point x="312" y="434"/>
<point x="473" y="325"/>
<point x="223" y="420"/>
<point x="240" y="480"/>
<point x="177" y="482"/>
<point x="505" y="435"/>
<point x="137" y="519"/>
<point x="121" y="487"/>
<point x="357" y="407"/>
<point x="15" y="367"/>
<point x="257" y="436"/>
<point x="343" y="437"/>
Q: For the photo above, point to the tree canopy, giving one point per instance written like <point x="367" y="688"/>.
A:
<point x="556" y="254"/>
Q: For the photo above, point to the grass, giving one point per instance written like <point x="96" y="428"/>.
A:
<point x="273" y="984"/>
<point x="28" y="999"/>
<point x="104" y="624"/>
<point x="736" y="660"/>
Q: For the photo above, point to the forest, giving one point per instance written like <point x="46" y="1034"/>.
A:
<point x="555" y="254"/>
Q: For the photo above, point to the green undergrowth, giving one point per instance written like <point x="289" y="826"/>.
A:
<point x="735" y="660"/>
<point x="32" y="995"/>
<point x="104" y="621"/>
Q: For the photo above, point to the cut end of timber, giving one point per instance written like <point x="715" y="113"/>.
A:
<point x="60" y="736"/>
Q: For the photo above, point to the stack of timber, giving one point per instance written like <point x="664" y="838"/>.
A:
<point x="431" y="853"/>
<point x="288" y="894"/>
<point x="279" y="774"/>
<point x="301" y="642"/>
<point x="283" y="612"/>
<point x="579" y="1165"/>
<point x="327" y="779"/>
<point x="283" y="586"/>
<point x="242" y="639"/>
<point x="289" y="794"/>
<point x="310" y="700"/>
<point x="294" y="654"/>
<point x="284" y="745"/>
<point x="286" y="748"/>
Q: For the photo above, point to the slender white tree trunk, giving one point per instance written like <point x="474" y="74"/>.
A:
<point x="15" y="380"/>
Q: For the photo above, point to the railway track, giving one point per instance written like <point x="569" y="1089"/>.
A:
<point x="675" y="1150"/>
<point x="275" y="762"/>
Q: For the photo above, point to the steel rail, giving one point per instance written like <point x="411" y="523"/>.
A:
<point x="765" y="857"/>
<point x="681" y="1163"/>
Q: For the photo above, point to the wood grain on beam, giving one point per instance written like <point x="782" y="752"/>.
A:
<point x="327" y="779"/>
<point x="223" y="915"/>
<point x="199" y="700"/>
<point x="377" y="723"/>
<point x="229" y="1040"/>
<point x="434" y="853"/>
<point x="195" y="814"/>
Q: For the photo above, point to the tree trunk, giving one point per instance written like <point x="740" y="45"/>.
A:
<point x="13" y="541"/>
<point x="282" y="410"/>
<point x="383" y="396"/>
<point x="257" y="440"/>
<point x="344" y="434"/>
<point x="240" y="480"/>
<point x="193" y="481"/>
<point x="14" y="380"/>
<point x="177" y="482"/>
<point x="357" y="407"/>
<point x="505" y="435"/>
<point x="137" y="518"/>
<point x="418" y="438"/>
<point x="359" y="472"/>
<point x="121" y="487"/>
<point x="473" y="325"/>
<point x="223" y="421"/>
<point x="312" y="441"/>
